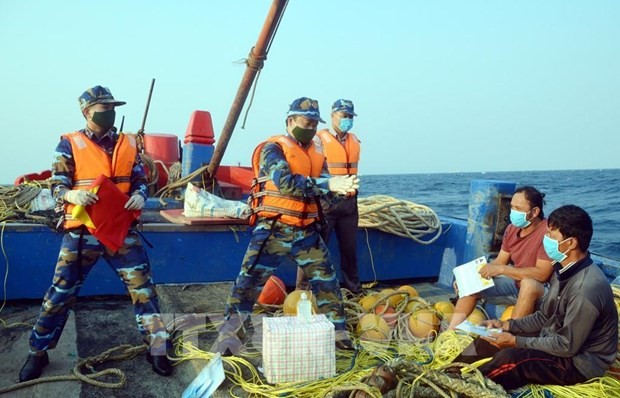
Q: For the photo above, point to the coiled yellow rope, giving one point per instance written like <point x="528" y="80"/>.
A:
<point x="399" y="217"/>
<point x="79" y="370"/>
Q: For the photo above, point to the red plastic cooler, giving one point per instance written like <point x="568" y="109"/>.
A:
<point x="162" y="147"/>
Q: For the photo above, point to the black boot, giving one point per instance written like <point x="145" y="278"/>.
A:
<point x="343" y="342"/>
<point x="33" y="367"/>
<point x="161" y="364"/>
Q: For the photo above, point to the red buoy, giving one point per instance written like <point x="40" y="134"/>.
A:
<point x="200" y="129"/>
<point x="273" y="293"/>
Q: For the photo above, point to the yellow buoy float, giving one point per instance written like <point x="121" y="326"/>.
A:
<point x="290" y="303"/>
<point x="507" y="314"/>
<point x="445" y="309"/>
<point x="372" y="327"/>
<point x="403" y="292"/>
<point x="369" y="302"/>
<point x="414" y="303"/>
<point x="477" y="316"/>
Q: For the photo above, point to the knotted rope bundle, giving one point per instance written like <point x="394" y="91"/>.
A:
<point x="15" y="200"/>
<point x="402" y="378"/>
<point x="399" y="217"/>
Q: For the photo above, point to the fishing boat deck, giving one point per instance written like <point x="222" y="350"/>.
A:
<point x="100" y="323"/>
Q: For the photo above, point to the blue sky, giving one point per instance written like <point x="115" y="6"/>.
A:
<point x="439" y="86"/>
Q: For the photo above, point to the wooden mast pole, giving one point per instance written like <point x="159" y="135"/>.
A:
<point x="254" y="63"/>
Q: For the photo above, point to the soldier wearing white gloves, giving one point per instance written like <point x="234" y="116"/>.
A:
<point x="291" y="175"/>
<point x="81" y="157"/>
<point x="344" y="185"/>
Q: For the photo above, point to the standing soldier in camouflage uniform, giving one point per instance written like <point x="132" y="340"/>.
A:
<point x="291" y="175"/>
<point x="342" y="150"/>
<point x="81" y="157"/>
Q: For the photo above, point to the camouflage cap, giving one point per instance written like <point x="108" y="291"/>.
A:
<point x="343" y="105"/>
<point x="97" y="95"/>
<point x="306" y="107"/>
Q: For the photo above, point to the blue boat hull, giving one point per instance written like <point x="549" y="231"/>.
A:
<point x="200" y="254"/>
<point x="185" y="254"/>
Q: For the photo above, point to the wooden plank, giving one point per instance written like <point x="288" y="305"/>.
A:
<point x="176" y="216"/>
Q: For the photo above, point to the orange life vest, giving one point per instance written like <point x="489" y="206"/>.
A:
<point x="341" y="159"/>
<point x="91" y="161"/>
<point x="268" y="202"/>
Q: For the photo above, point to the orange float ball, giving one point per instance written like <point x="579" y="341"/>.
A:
<point x="387" y="313"/>
<point x="423" y="323"/>
<point x="274" y="292"/>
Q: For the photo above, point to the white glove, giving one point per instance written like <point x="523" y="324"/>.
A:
<point x="136" y="202"/>
<point x="80" y="197"/>
<point x="343" y="185"/>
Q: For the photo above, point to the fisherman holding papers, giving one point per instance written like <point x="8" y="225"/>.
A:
<point x="573" y="337"/>
<point x="521" y="268"/>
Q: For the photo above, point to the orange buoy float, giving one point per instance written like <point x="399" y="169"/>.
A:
<point x="507" y="314"/>
<point x="424" y="323"/>
<point x="274" y="292"/>
<point x="290" y="303"/>
<point x="373" y="327"/>
<point x="387" y="313"/>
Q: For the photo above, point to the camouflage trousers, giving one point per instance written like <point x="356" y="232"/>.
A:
<point x="302" y="246"/>
<point x="131" y="265"/>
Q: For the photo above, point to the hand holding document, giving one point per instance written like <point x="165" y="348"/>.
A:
<point x="480" y="330"/>
<point x="468" y="279"/>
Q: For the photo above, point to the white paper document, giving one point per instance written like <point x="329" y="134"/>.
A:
<point x="207" y="381"/>
<point x="480" y="330"/>
<point x="469" y="280"/>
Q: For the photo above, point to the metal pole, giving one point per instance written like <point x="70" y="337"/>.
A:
<point x="148" y="103"/>
<point x="254" y="64"/>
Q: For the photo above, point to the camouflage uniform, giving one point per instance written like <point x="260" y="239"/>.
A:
<point x="78" y="254"/>
<point x="285" y="243"/>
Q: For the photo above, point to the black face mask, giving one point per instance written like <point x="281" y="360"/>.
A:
<point x="104" y="119"/>
<point x="304" y="136"/>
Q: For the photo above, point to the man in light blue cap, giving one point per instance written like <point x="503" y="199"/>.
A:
<point x="342" y="150"/>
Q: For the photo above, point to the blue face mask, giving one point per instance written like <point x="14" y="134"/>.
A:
<point x="519" y="218"/>
<point x="552" y="247"/>
<point x="345" y="124"/>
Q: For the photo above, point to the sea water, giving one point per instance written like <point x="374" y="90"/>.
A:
<point x="596" y="191"/>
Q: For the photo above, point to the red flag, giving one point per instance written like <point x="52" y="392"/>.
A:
<point x="107" y="220"/>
